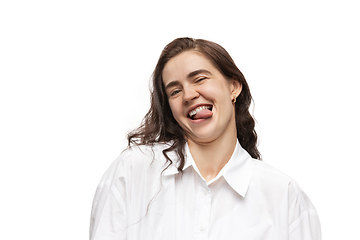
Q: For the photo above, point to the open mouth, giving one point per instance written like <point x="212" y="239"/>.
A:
<point x="201" y="112"/>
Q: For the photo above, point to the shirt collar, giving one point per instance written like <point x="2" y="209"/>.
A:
<point x="237" y="172"/>
<point x="189" y="161"/>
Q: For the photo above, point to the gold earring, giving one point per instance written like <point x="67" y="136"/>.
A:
<point x="234" y="100"/>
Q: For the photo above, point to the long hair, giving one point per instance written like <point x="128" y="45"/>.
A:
<point x="159" y="125"/>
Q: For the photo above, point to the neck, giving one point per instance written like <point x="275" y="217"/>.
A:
<point x="211" y="157"/>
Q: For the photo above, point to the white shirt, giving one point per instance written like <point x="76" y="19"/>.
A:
<point x="137" y="200"/>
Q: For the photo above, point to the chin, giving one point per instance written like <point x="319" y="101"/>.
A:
<point x="202" y="137"/>
<point x="200" y="133"/>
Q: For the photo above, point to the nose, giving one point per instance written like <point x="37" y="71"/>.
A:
<point x="190" y="94"/>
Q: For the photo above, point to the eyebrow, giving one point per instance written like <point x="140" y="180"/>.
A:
<point x="196" y="72"/>
<point x="190" y="75"/>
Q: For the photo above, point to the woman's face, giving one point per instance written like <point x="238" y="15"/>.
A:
<point x="200" y="97"/>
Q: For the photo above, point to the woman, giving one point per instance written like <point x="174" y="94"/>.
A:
<point x="192" y="169"/>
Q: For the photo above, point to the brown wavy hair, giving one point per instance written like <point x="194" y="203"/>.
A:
<point x="159" y="125"/>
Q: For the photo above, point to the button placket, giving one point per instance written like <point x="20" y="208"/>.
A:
<point x="203" y="211"/>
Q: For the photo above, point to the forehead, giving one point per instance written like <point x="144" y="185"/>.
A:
<point x="178" y="67"/>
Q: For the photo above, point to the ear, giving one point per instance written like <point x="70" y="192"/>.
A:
<point x="235" y="88"/>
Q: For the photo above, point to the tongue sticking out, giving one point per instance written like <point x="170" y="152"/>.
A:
<point x="203" y="114"/>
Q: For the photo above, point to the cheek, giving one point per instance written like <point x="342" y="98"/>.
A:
<point x="217" y="92"/>
<point x="175" y="109"/>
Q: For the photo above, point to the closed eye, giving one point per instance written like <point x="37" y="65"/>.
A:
<point x="200" y="79"/>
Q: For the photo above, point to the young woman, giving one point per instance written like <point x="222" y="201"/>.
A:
<point x="192" y="169"/>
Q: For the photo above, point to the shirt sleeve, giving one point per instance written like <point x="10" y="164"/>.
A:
<point x="108" y="215"/>
<point x="303" y="219"/>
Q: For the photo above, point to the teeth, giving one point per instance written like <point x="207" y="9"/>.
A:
<point x="198" y="109"/>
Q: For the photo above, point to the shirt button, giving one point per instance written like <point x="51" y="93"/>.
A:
<point x="205" y="192"/>
<point x="201" y="228"/>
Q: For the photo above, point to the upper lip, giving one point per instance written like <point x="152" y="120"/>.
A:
<point x="196" y="106"/>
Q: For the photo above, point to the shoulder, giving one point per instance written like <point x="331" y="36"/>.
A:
<point x="277" y="183"/>
<point x="283" y="192"/>
<point x="266" y="173"/>
<point x="138" y="160"/>
<point x="272" y="181"/>
<point x="144" y="154"/>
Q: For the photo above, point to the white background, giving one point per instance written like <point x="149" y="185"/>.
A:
<point x="74" y="81"/>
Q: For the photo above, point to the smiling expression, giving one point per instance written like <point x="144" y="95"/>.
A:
<point x="200" y="97"/>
